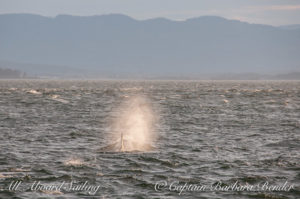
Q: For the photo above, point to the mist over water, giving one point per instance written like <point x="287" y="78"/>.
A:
<point x="202" y="131"/>
<point x="132" y="129"/>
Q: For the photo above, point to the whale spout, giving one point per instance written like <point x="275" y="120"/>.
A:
<point x="124" y="145"/>
<point x="133" y="129"/>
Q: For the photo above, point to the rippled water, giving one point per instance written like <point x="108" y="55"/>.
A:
<point x="208" y="131"/>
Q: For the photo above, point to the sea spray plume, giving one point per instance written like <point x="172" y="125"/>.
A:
<point x="133" y="129"/>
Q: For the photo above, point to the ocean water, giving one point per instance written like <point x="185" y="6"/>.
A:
<point x="208" y="133"/>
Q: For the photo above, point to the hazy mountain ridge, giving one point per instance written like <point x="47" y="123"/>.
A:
<point x="118" y="44"/>
<point x="6" y="73"/>
<point x="291" y="27"/>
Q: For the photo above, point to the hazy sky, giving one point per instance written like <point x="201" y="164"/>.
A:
<point x="274" y="12"/>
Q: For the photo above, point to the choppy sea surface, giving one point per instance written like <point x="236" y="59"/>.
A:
<point x="208" y="132"/>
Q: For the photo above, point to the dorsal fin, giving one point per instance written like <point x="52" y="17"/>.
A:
<point x="122" y="143"/>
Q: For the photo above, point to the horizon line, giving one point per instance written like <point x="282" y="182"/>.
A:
<point x="146" y="19"/>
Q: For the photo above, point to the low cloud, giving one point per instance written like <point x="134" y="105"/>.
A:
<point x="274" y="7"/>
<point x="285" y="7"/>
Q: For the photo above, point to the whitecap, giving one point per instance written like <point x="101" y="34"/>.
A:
<point x="56" y="98"/>
<point x="35" y="92"/>
<point x="225" y="100"/>
<point x="74" y="162"/>
<point x="5" y="176"/>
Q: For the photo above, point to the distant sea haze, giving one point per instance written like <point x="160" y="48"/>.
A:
<point x="119" y="46"/>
